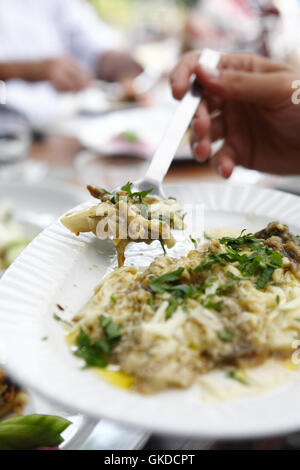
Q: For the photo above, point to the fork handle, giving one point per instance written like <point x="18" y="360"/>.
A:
<point x="179" y="123"/>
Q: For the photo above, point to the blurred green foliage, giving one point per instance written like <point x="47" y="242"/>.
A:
<point x="122" y="11"/>
<point x="115" y="11"/>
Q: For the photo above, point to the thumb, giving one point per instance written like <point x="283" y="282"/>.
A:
<point x="224" y="160"/>
<point x="252" y="87"/>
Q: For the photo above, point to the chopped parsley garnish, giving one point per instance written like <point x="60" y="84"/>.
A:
<point x="213" y="305"/>
<point x="173" y="305"/>
<point x="113" y="298"/>
<point x="58" y="318"/>
<point x="140" y="195"/>
<point x="162" y="244"/>
<point x="169" y="283"/>
<point x="211" y="260"/>
<point x="137" y="195"/>
<point x="226" y="335"/>
<point x="150" y="302"/>
<point x="96" y="353"/>
<point x="255" y="261"/>
<point x="164" y="283"/>
<point x="195" y="243"/>
<point x="260" y="263"/>
<point x="239" y="242"/>
<point x="237" y="375"/>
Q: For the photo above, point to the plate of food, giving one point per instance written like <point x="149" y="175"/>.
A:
<point x="181" y="333"/>
<point x="133" y="131"/>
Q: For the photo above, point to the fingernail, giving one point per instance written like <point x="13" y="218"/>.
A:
<point x="212" y="73"/>
<point x="225" y="169"/>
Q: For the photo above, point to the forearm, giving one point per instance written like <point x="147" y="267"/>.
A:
<point x="29" y="71"/>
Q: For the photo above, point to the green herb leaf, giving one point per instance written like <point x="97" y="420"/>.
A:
<point x="161" y="284"/>
<point x="111" y="329"/>
<point x="194" y="242"/>
<point x="58" y="318"/>
<point x="95" y="353"/>
<point x="162" y="244"/>
<point x="264" y="277"/>
<point x="214" y="305"/>
<point x="127" y="188"/>
<point x="239" y="242"/>
<point x="150" y="302"/>
<point x="140" y="195"/>
<point x="226" y="335"/>
<point x="237" y="375"/>
<point x="173" y="305"/>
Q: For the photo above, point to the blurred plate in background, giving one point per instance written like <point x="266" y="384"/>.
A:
<point x="38" y="205"/>
<point x="131" y="131"/>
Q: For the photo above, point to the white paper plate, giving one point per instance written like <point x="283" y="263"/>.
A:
<point x="61" y="268"/>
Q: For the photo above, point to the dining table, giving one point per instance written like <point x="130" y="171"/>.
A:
<point x="58" y="153"/>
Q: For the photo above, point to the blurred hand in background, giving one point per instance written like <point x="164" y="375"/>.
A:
<point x="248" y="103"/>
<point x="118" y="66"/>
<point x="55" y="45"/>
<point x="66" y="74"/>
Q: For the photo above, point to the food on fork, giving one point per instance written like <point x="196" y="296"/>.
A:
<point x="128" y="216"/>
<point x="229" y="305"/>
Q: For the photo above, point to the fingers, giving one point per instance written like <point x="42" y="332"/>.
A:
<point x="224" y="160"/>
<point x="200" y="125"/>
<point x="66" y="75"/>
<point x="118" y="66"/>
<point x="205" y="130"/>
<point x="76" y="76"/>
<point x="251" y="63"/>
<point x="242" y="77"/>
<point x="202" y="149"/>
<point x="265" y="89"/>
<point x="180" y="77"/>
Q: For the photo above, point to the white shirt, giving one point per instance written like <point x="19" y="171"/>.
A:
<point x="42" y="29"/>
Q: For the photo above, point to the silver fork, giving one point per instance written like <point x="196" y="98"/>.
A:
<point x="178" y="125"/>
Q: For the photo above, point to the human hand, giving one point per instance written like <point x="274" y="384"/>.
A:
<point x="248" y="103"/>
<point x="118" y="66"/>
<point x="66" y="74"/>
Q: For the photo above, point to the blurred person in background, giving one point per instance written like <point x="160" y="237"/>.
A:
<point x="252" y="104"/>
<point x="52" y="46"/>
<point x="232" y="25"/>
